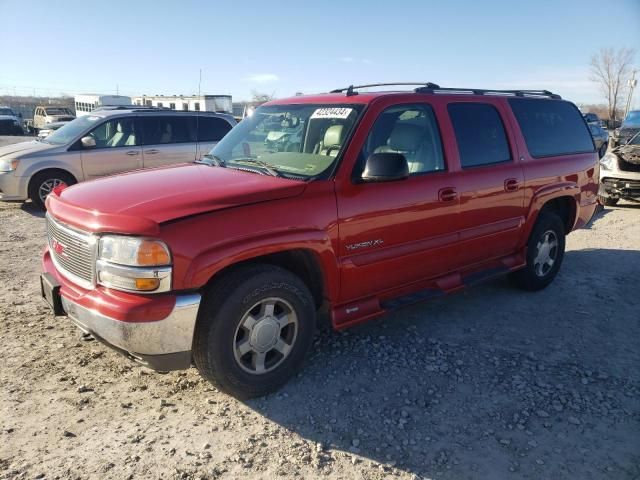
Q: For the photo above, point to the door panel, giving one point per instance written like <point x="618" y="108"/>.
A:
<point x="117" y="149"/>
<point x="396" y="233"/>
<point x="168" y="139"/>
<point x="168" y="154"/>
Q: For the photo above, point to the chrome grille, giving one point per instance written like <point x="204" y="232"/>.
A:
<point x="73" y="252"/>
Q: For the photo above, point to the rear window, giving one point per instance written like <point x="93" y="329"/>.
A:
<point x="551" y="127"/>
<point x="479" y="133"/>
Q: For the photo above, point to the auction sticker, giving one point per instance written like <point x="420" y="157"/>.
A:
<point x="334" y="112"/>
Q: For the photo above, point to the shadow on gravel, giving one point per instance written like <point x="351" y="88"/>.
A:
<point x="491" y="383"/>
<point x="31" y="209"/>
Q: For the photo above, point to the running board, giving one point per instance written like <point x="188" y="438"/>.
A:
<point x="411" y="298"/>
<point x="484" y="275"/>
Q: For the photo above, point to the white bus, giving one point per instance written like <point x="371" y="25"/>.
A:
<point x="86" y="103"/>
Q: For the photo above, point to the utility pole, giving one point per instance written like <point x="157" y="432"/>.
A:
<point x="632" y="85"/>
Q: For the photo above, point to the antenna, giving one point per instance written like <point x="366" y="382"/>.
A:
<point x="198" y="119"/>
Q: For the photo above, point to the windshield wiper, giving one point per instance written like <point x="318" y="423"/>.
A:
<point x="269" y="168"/>
<point x="217" y="161"/>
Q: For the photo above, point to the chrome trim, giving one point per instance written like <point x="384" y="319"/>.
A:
<point x="170" y="335"/>
<point x="91" y="242"/>
<point x="161" y="273"/>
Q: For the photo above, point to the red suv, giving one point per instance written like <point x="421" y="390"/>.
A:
<point x="358" y="202"/>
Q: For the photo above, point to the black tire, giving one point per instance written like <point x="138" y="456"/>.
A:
<point x="607" y="201"/>
<point x="534" y="276"/>
<point x="40" y="178"/>
<point x="219" y="331"/>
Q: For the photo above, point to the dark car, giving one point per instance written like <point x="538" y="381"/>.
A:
<point x="591" y="118"/>
<point x="600" y="138"/>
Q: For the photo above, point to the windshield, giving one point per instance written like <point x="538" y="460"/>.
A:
<point x="58" y="111"/>
<point x="632" y="120"/>
<point x="70" y="131"/>
<point x="6" y="111"/>
<point x="293" y="140"/>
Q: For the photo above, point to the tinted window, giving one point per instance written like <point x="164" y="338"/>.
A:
<point x="162" y="130"/>
<point x="411" y="130"/>
<point x="551" y="127"/>
<point x="479" y="133"/>
<point x="212" y="129"/>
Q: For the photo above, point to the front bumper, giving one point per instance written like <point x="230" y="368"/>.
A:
<point x="12" y="187"/>
<point x="140" y="327"/>
<point x="620" y="185"/>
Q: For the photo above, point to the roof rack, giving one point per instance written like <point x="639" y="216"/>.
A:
<point x="130" y="107"/>
<point x="350" y="90"/>
<point x="479" y="91"/>
<point x="432" y="88"/>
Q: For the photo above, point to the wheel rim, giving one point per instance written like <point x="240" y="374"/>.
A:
<point x="546" y="253"/>
<point x="265" y="335"/>
<point x="47" y="187"/>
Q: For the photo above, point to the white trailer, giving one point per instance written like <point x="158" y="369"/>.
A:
<point x="88" y="102"/>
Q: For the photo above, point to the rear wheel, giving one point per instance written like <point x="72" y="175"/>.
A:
<point x="43" y="183"/>
<point x="255" y="328"/>
<point x="545" y="251"/>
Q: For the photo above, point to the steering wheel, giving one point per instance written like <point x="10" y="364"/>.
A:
<point x="332" y="148"/>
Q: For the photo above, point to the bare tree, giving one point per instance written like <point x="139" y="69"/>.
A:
<point x="258" y="98"/>
<point x="611" y="69"/>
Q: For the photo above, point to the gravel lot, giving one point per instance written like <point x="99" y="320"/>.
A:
<point x="490" y="383"/>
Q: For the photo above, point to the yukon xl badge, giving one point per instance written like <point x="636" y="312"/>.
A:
<point x="369" y="243"/>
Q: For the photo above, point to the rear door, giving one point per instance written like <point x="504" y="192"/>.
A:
<point x="168" y="139"/>
<point x="210" y="131"/>
<point x="490" y="183"/>
<point x="117" y="148"/>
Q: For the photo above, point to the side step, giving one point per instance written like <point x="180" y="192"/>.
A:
<point x="411" y="298"/>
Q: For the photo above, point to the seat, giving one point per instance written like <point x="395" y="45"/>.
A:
<point x="124" y="136"/>
<point x="406" y="139"/>
<point x="331" y="142"/>
<point x="167" y="135"/>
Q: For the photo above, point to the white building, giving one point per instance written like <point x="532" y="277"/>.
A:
<point x="87" y="102"/>
<point x="204" y="103"/>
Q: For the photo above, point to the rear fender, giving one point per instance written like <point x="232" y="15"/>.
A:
<point x="542" y="197"/>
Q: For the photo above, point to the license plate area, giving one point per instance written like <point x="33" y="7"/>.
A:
<point x="50" y="290"/>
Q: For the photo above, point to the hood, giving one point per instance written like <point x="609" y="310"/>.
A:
<point x="139" y="201"/>
<point x="61" y="118"/>
<point x="9" y="117"/>
<point x="24" y="148"/>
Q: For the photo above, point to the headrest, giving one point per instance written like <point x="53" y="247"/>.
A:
<point x="119" y="127"/>
<point x="406" y="137"/>
<point x="333" y="135"/>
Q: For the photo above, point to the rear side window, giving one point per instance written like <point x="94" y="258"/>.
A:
<point x="162" y="130"/>
<point x="479" y="133"/>
<point x="551" y="127"/>
<point x="212" y="129"/>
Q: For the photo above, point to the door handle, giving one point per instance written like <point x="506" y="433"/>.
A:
<point x="132" y="152"/>
<point x="152" y="151"/>
<point x="511" y="185"/>
<point x="448" y="194"/>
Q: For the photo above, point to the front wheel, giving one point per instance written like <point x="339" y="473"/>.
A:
<point x="607" y="201"/>
<point x="43" y="183"/>
<point x="545" y="251"/>
<point x="255" y="328"/>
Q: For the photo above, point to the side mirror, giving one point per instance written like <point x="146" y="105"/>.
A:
<point x="88" y="142"/>
<point x="385" y="167"/>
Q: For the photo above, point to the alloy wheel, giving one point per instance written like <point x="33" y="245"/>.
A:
<point x="546" y="253"/>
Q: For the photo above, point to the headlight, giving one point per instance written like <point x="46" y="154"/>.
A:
<point x="9" y="164"/>
<point x="134" y="264"/>
<point x="608" y="161"/>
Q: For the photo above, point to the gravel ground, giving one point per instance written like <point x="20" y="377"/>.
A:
<point x="490" y="383"/>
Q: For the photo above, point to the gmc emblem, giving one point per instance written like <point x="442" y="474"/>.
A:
<point x="58" y="247"/>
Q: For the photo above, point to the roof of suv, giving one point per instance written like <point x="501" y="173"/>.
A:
<point x="352" y="94"/>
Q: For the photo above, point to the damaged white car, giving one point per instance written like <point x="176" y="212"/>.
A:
<point x="620" y="173"/>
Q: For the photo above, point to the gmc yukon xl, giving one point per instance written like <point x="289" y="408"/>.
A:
<point x="354" y="203"/>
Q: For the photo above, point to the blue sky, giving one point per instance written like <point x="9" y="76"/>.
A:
<point x="158" y="47"/>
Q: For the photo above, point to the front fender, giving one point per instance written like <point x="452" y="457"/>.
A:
<point x="35" y="166"/>
<point x="209" y="263"/>
<point x="542" y="197"/>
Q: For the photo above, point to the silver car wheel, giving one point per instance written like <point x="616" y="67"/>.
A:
<point x="265" y="335"/>
<point x="47" y="187"/>
<point x="546" y="253"/>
